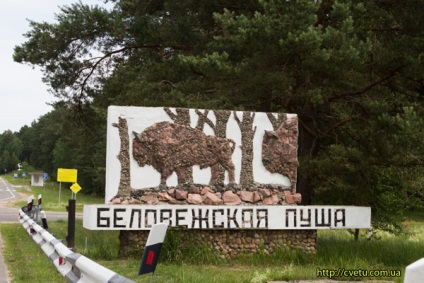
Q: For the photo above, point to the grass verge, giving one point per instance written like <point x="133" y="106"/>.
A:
<point x="336" y="249"/>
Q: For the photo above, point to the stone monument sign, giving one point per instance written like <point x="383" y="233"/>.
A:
<point x="210" y="170"/>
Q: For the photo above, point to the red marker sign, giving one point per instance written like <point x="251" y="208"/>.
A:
<point x="152" y="248"/>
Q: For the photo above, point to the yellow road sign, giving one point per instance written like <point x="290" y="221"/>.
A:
<point x="67" y="175"/>
<point x="76" y="188"/>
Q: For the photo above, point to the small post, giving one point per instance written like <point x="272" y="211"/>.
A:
<point x="356" y="234"/>
<point x="71" y="223"/>
<point x="60" y="188"/>
<point x="39" y="202"/>
<point x="30" y="203"/>
<point x="38" y="208"/>
<point x="44" y="220"/>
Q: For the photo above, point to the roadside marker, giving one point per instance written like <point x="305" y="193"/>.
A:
<point x="44" y="220"/>
<point x="152" y="249"/>
<point x="30" y="203"/>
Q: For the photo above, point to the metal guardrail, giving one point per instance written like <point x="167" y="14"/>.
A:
<point x="74" y="267"/>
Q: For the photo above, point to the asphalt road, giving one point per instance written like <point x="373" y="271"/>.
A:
<point x="10" y="215"/>
<point x="6" y="192"/>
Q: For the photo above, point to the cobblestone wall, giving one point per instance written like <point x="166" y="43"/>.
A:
<point x="230" y="243"/>
<point x="227" y="243"/>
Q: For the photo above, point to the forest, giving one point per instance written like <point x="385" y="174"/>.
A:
<point x="351" y="70"/>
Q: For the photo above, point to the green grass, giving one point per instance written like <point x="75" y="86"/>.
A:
<point x="193" y="263"/>
<point x="24" y="258"/>
<point x="336" y="249"/>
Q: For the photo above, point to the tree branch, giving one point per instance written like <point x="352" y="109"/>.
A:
<point x="358" y="92"/>
<point x="203" y="119"/>
<point x="276" y="122"/>
<point x="126" y="48"/>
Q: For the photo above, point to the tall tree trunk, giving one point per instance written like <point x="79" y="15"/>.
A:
<point x="220" y="130"/>
<point x="247" y="134"/>
<point x="306" y="151"/>
<point x="124" y="189"/>
<point x="222" y="117"/>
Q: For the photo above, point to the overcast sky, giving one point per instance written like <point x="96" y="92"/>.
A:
<point x="23" y="96"/>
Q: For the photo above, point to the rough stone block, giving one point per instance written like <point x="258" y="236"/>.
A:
<point x="134" y="201"/>
<point x="231" y="198"/>
<point x="206" y="190"/>
<point x="181" y="195"/>
<point x="193" y="190"/>
<point x="246" y="196"/>
<point x="171" y="191"/>
<point x="287" y="193"/>
<point x="211" y="199"/>
<point x="265" y="192"/>
<point x="151" y="198"/>
<point x="194" y="199"/>
<point x="289" y="199"/>
<point x="116" y="201"/>
<point x="271" y="200"/>
<point x="163" y="196"/>
<point x="297" y="198"/>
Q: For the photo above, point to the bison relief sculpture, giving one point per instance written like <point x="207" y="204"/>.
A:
<point x="279" y="150"/>
<point x="170" y="147"/>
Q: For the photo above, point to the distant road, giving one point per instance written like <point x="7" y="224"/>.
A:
<point x="8" y="215"/>
<point x="11" y="214"/>
<point x="6" y="192"/>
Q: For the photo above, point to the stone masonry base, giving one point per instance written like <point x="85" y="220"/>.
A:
<point x="229" y="243"/>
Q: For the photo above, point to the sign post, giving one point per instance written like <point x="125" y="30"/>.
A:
<point x="67" y="176"/>
<point x="70" y="239"/>
<point x="45" y="177"/>
<point x="23" y="177"/>
<point x="75" y="188"/>
<point x="71" y="215"/>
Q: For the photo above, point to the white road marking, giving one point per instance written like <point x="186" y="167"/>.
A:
<point x="8" y="190"/>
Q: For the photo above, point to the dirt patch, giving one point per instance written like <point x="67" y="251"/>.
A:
<point x="12" y="202"/>
<point x="19" y="196"/>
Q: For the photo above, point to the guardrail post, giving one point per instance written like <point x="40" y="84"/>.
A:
<point x="71" y="223"/>
<point x="44" y="220"/>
